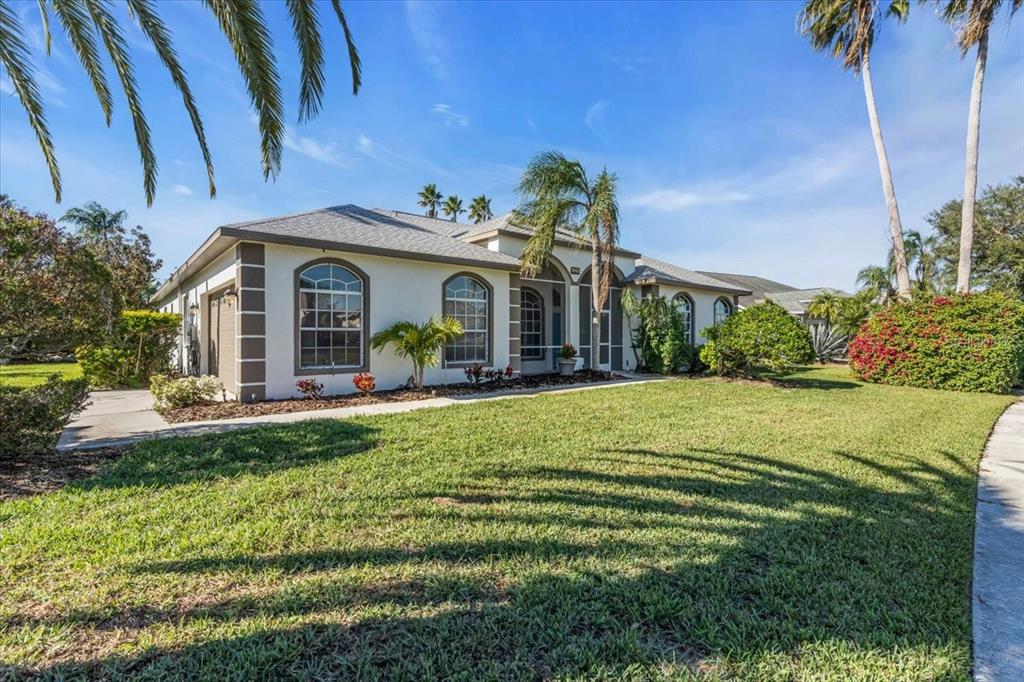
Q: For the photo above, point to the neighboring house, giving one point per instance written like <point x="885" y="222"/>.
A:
<point x="795" y="301"/>
<point x="271" y="301"/>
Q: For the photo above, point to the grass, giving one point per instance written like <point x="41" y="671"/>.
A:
<point x="26" y="375"/>
<point x="689" y="529"/>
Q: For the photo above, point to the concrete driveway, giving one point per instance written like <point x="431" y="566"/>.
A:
<point x="113" y="418"/>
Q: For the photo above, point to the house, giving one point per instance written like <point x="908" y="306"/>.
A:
<point x="267" y="302"/>
<point x="795" y="301"/>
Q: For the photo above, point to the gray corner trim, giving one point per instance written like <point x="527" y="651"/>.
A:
<point x="297" y="338"/>
<point x="490" y="318"/>
<point x="251" y="393"/>
<point x="248" y="252"/>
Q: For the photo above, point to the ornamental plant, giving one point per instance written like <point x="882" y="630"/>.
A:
<point x="139" y="348"/>
<point x="660" y="337"/>
<point x="763" y="335"/>
<point x="568" y="352"/>
<point x="311" y="388"/>
<point x="963" y="342"/>
<point x="31" y="419"/>
<point x="364" y="382"/>
<point x="171" y="392"/>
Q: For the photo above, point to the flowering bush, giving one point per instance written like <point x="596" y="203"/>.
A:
<point x="311" y="388"/>
<point x="763" y="335"/>
<point x="963" y="342"/>
<point x="568" y="352"/>
<point x="476" y="372"/>
<point x="183" y="391"/>
<point x="364" y="382"/>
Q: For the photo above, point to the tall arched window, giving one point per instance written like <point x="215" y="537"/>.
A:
<point x="723" y="309"/>
<point x="467" y="299"/>
<point x="331" y="317"/>
<point x="684" y="304"/>
<point x="531" y="325"/>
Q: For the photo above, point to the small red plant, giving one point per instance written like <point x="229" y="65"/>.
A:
<point x="311" y="388"/>
<point x="364" y="382"/>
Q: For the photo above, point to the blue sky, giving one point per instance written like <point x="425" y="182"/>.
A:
<point x="738" y="148"/>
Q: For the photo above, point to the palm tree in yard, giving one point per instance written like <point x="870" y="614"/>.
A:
<point x="921" y="253"/>
<point x="826" y="306"/>
<point x="558" y="194"/>
<point x="421" y="343"/>
<point x="480" y="209"/>
<point x="94" y="222"/>
<point x="973" y="19"/>
<point x="876" y="281"/>
<point x="92" y="29"/>
<point x="847" y="29"/>
<point x="430" y="199"/>
<point x="452" y="207"/>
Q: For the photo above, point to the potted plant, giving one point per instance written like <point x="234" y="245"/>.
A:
<point x="567" y="360"/>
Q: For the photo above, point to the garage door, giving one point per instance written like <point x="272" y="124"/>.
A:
<point x="222" y="338"/>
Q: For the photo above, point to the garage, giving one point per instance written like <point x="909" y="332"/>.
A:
<point x="222" y="337"/>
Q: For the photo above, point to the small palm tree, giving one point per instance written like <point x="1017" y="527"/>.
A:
<point x="826" y="306"/>
<point x="243" y="24"/>
<point x="452" y="207"/>
<point x="876" y="282"/>
<point x="921" y="253"/>
<point x="557" y="193"/>
<point x="480" y="209"/>
<point x="430" y="199"/>
<point x="847" y="29"/>
<point x="974" y="18"/>
<point x="421" y="343"/>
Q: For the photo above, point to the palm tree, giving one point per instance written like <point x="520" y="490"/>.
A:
<point x="558" y="194"/>
<point x="94" y="222"/>
<point x="876" y="281"/>
<point x="430" y="199"/>
<point x="480" y="209"/>
<point x="242" y="23"/>
<point x="452" y="207"/>
<point x="921" y="253"/>
<point x="974" y="18"/>
<point x="847" y="29"/>
<point x="826" y="306"/>
<point x="421" y="343"/>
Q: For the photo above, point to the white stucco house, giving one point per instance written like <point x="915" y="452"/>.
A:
<point x="267" y="302"/>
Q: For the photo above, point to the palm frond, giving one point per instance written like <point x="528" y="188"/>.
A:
<point x="14" y="55"/>
<point x="74" y="17"/>
<point x="243" y="25"/>
<point x="110" y="33"/>
<point x="157" y="32"/>
<point x="355" y="63"/>
<point x="44" y="17"/>
<point x="311" y="51"/>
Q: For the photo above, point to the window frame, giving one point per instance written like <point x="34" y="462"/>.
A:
<point x="522" y="327"/>
<point x="683" y="296"/>
<point x="728" y="306"/>
<point x="489" y="331"/>
<point x="364" y="330"/>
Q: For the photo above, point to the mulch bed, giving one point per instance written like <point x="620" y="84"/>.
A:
<point x="228" y="410"/>
<point x="28" y="475"/>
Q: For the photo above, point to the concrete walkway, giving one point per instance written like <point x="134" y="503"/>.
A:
<point x="120" y="417"/>
<point x="998" y="594"/>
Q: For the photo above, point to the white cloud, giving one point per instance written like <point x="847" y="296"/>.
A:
<point x="6" y="86"/>
<point x="324" y="152"/>
<point x="374" y="150"/>
<point x="428" y="34"/>
<point x="674" y="199"/>
<point x="182" y="190"/>
<point x="450" y="117"/>
<point x="594" y="118"/>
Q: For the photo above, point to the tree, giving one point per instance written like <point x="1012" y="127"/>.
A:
<point x="975" y="19"/>
<point x="921" y="256"/>
<point x="94" y="222"/>
<point x="997" y="254"/>
<point x="847" y="29"/>
<point x="242" y="23"/>
<point x="421" y="343"/>
<point x="480" y="209"/>
<point x="430" y="199"/>
<point x="876" y="282"/>
<point x="558" y="194"/>
<point x="452" y="207"/>
<point x="826" y="306"/>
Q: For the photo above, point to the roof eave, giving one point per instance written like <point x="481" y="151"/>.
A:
<point x="200" y="258"/>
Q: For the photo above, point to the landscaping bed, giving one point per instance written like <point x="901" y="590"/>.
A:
<point x="208" y="411"/>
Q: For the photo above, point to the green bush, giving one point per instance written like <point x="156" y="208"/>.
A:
<point x="31" y="418"/>
<point x="139" y="348"/>
<point x="964" y="342"/>
<point x="763" y="335"/>
<point x="183" y="391"/>
<point x="660" y="337"/>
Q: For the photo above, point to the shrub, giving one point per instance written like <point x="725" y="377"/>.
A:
<point x="139" y="348"/>
<point x="106" y="366"/>
<point x="183" y="391"/>
<point x="474" y="373"/>
<point x="660" y="336"/>
<point x="311" y="388"/>
<point x="568" y="352"/>
<point x="965" y="342"/>
<point x="364" y="382"/>
<point x="763" y="335"/>
<point x="829" y="343"/>
<point x="31" y="418"/>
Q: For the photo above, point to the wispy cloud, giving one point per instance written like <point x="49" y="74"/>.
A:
<point x="182" y="190"/>
<point x="428" y="34"/>
<point x="6" y="86"/>
<point x="594" y="118"/>
<point x="372" y="149"/>
<point x="450" y="117"/>
<point x="675" y="199"/>
<point x="324" y="152"/>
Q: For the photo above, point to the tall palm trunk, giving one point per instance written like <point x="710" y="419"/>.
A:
<point x="963" y="270"/>
<point x="895" y="226"/>
<point x="596" y="302"/>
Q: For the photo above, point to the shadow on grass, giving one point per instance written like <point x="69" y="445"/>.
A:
<point x="799" y="557"/>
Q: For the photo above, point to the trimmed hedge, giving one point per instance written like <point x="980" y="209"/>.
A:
<point x="139" y="348"/>
<point x="963" y="342"/>
<point x="763" y="335"/>
<point x="31" y="419"/>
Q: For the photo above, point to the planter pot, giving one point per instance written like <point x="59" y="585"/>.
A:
<point x="566" y="366"/>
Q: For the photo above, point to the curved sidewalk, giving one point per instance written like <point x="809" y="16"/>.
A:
<point x="998" y="591"/>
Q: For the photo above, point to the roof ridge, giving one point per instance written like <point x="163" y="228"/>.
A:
<point x="274" y="219"/>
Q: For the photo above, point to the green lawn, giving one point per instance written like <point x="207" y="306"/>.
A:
<point x="27" y="375"/>
<point x="687" y="529"/>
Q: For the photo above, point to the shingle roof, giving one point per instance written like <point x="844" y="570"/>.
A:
<point x="667" y="273"/>
<point x="445" y="227"/>
<point x="798" y="300"/>
<point x="506" y="224"/>
<point x="352" y="228"/>
<point x="758" y="286"/>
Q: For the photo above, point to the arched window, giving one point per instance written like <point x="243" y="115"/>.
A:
<point x="531" y="325"/>
<point x="723" y="309"/>
<point x="684" y="304"/>
<point x="467" y="299"/>
<point x="331" y="317"/>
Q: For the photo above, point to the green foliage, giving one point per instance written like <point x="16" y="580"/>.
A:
<point x="139" y="348"/>
<point x="659" y="335"/>
<point x="763" y="335"/>
<point x="964" y="342"/>
<point x="421" y="343"/>
<point x="31" y="419"/>
<point x="480" y="209"/>
<point x="430" y="198"/>
<point x="853" y="311"/>
<point x="829" y="343"/>
<point x="171" y="392"/>
<point x="452" y="207"/>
